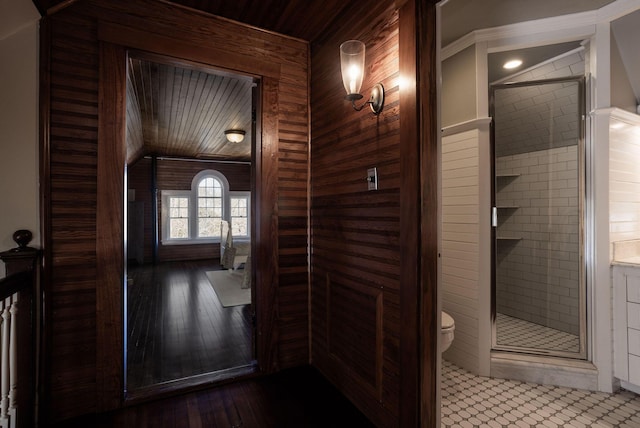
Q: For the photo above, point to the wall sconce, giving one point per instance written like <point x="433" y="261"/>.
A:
<point x="352" y="66"/>
<point x="234" y="135"/>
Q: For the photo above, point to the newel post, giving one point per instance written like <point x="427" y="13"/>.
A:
<point x="22" y="257"/>
<point x="18" y="334"/>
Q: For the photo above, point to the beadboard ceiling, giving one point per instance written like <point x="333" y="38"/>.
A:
<point x="183" y="112"/>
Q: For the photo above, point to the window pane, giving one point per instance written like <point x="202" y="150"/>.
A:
<point x="178" y="228"/>
<point x="206" y="212"/>
<point x="239" y="216"/>
<point x="239" y="226"/>
<point x="238" y="207"/>
<point x="209" y="207"/>
<point x="178" y="218"/>
<point x="207" y="227"/>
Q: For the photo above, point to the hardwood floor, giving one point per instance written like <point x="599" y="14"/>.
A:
<point x="177" y="327"/>
<point x="299" y="398"/>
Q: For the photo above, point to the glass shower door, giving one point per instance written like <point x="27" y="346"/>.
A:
<point x="538" y="270"/>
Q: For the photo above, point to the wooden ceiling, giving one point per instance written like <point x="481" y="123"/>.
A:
<point x="303" y="19"/>
<point x="183" y="112"/>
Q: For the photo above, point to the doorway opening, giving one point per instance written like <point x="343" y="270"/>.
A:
<point x="539" y="291"/>
<point x="189" y="310"/>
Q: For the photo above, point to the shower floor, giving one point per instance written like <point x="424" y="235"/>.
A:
<point x="525" y="334"/>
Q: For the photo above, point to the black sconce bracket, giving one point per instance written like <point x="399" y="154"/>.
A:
<point x="376" y="101"/>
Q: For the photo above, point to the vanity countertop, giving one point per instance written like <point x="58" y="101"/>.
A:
<point x="629" y="261"/>
<point x="626" y="253"/>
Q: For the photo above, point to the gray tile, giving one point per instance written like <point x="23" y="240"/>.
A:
<point x="506" y="404"/>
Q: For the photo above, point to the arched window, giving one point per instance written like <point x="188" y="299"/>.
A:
<point x="209" y="197"/>
<point x="195" y="215"/>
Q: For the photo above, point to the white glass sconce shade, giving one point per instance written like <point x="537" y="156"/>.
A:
<point x="352" y="66"/>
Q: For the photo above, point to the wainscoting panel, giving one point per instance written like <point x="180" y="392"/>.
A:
<point x="356" y="283"/>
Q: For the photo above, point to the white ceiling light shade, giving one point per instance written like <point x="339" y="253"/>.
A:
<point x="512" y="63"/>
<point x="234" y="135"/>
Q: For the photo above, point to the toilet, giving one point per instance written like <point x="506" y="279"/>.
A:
<point x="448" y="326"/>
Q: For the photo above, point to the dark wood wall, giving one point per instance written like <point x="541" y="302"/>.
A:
<point x="83" y="87"/>
<point x="366" y="255"/>
<point x="173" y="174"/>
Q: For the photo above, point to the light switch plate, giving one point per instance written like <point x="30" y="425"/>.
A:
<point x="372" y="178"/>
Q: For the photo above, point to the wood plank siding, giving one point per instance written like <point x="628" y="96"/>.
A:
<point x="84" y="328"/>
<point x="366" y="267"/>
<point x="345" y="278"/>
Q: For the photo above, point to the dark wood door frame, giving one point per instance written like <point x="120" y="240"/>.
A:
<point x="116" y="40"/>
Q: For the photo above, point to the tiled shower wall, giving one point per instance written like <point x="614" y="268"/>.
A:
<point x="537" y="276"/>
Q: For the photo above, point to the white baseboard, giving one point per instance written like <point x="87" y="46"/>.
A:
<point x="544" y="370"/>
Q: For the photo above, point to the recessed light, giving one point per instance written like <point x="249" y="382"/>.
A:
<point x="511" y="64"/>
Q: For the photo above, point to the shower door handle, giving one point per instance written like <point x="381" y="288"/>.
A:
<point x="494" y="216"/>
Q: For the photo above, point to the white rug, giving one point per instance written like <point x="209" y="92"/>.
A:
<point x="226" y="284"/>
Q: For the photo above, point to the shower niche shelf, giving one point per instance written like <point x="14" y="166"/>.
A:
<point x="508" y="238"/>
<point x="503" y="180"/>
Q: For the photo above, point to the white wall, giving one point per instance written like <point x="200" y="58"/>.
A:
<point x="466" y="268"/>
<point x="19" y="164"/>
<point x="624" y="177"/>
<point x="459" y="86"/>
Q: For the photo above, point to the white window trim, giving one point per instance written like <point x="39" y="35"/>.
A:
<point x="165" y="195"/>
<point x="193" y="209"/>
<point x="246" y="195"/>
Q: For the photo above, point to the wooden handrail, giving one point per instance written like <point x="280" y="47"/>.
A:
<point x="16" y="283"/>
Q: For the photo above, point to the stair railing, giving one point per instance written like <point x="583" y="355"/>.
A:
<point x="19" y="332"/>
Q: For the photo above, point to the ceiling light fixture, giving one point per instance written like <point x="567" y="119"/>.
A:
<point x="352" y="67"/>
<point x="513" y="63"/>
<point x="234" y="135"/>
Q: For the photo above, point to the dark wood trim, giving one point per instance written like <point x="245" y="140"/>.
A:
<point x="83" y="131"/>
<point x="155" y="217"/>
<point x="169" y="46"/>
<point x="15" y="283"/>
<point x="429" y="159"/>
<point x="109" y="226"/>
<point x="265" y="267"/>
<point x="45" y="215"/>
<point x="22" y="277"/>
<point x="409" y="220"/>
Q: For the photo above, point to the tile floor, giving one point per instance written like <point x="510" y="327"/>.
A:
<point x="520" y="333"/>
<point x="473" y="401"/>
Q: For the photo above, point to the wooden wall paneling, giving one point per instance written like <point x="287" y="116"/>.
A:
<point x="410" y="234"/>
<point x="74" y="385"/>
<point x="139" y="179"/>
<point x="266" y="269"/>
<point x="176" y="174"/>
<point x="355" y="233"/>
<point x="292" y="232"/>
<point x="110" y="219"/>
<point x="70" y="154"/>
<point x="429" y="165"/>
